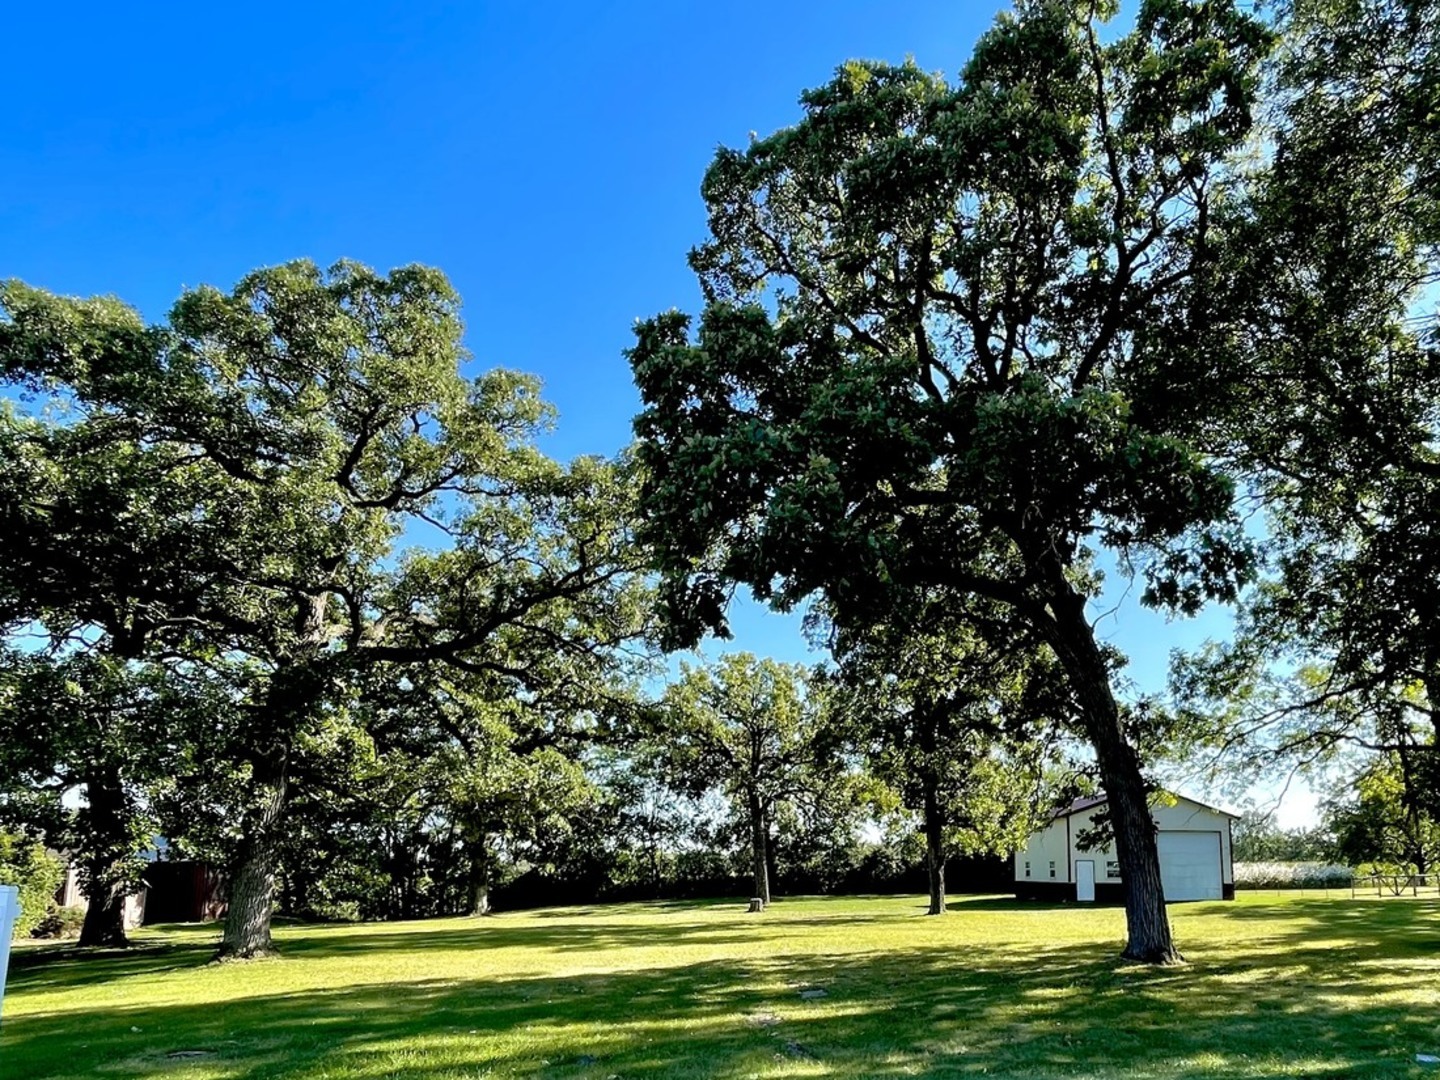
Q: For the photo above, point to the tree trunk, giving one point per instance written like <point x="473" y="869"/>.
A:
<point x="758" y="855"/>
<point x="295" y="892"/>
<point x="1410" y="804"/>
<point x="104" y="913"/>
<point x="104" y="878"/>
<point x="935" y="848"/>
<point x="654" y="833"/>
<point x="772" y="866"/>
<point x="297" y="689"/>
<point x="479" y="879"/>
<point x="252" y="871"/>
<point x="1147" y="923"/>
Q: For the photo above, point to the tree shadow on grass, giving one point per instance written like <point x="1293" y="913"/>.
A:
<point x="639" y="907"/>
<point x="1294" y="1006"/>
<point x="60" y="966"/>
<point x="576" y="934"/>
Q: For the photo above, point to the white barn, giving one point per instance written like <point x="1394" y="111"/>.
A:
<point x="1194" y="844"/>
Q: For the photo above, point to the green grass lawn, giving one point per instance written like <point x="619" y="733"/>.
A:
<point x="1276" y="986"/>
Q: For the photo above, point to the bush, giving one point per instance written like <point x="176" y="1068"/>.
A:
<point x="60" y="922"/>
<point x="26" y="864"/>
<point x="1292" y="875"/>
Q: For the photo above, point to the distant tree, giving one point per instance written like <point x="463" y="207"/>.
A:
<point x="746" y="727"/>
<point x="943" y="342"/>
<point x="115" y="544"/>
<point x="1256" y="838"/>
<point x="506" y="803"/>
<point x="506" y="770"/>
<point x="88" y="723"/>
<point x="1380" y="823"/>
<point x="642" y="820"/>
<point x="26" y="864"/>
<point x="958" y="711"/>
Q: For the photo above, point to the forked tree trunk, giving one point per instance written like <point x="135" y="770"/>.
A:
<point x="1148" y="926"/>
<point x="252" y="872"/>
<point x="103" y="878"/>
<point x="758" y="855"/>
<point x="935" y="848"/>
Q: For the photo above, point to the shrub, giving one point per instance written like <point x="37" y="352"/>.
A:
<point x="60" y="922"/>
<point x="26" y="864"/>
<point x="1291" y="875"/>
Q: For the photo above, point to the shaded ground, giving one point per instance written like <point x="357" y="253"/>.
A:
<point x="1277" y="986"/>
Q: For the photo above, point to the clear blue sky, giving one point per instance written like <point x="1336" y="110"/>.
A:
<point x="547" y="158"/>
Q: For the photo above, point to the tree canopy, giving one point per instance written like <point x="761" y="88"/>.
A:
<point x="943" y="331"/>
<point x="326" y="417"/>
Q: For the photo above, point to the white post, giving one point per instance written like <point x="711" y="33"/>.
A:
<point x="9" y="912"/>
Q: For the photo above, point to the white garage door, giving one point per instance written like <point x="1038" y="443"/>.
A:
<point x="1190" y="865"/>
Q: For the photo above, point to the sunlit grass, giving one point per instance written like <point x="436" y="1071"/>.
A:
<point x="1276" y="987"/>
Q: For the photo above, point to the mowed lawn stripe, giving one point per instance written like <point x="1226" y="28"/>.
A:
<point x="1286" y="986"/>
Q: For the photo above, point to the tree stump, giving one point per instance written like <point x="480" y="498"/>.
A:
<point x="756" y="904"/>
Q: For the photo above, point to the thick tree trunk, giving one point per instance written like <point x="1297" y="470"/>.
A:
<point x="103" y="876"/>
<point x="479" y="879"/>
<point x="252" y="872"/>
<point x="252" y="902"/>
<point x="935" y="849"/>
<point x="297" y="689"/>
<point x="758" y="854"/>
<point x="104" y="914"/>
<point x="1147" y="923"/>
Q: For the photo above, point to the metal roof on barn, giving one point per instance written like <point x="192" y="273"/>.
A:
<point x="1085" y="802"/>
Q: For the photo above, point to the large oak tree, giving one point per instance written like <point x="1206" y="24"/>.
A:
<point x="936" y="350"/>
<point x="332" y="409"/>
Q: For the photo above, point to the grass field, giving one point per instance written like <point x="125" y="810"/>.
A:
<point x="1276" y="986"/>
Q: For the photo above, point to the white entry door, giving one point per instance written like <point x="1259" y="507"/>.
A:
<point x="1085" y="880"/>
<point x="1190" y="865"/>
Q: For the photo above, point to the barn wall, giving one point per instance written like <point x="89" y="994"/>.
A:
<point x="1101" y="856"/>
<point x="1053" y="842"/>
<point x="184" y="891"/>
<point x="1184" y="816"/>
<point x="69" y="894"/>
<point x="1045" y="846"/>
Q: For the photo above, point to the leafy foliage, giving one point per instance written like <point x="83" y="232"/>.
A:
<point x="946" y="336"/>
<point x="27" y="864"/>
<point x="747" y="729"/>
<point x="1329" y="301"/>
